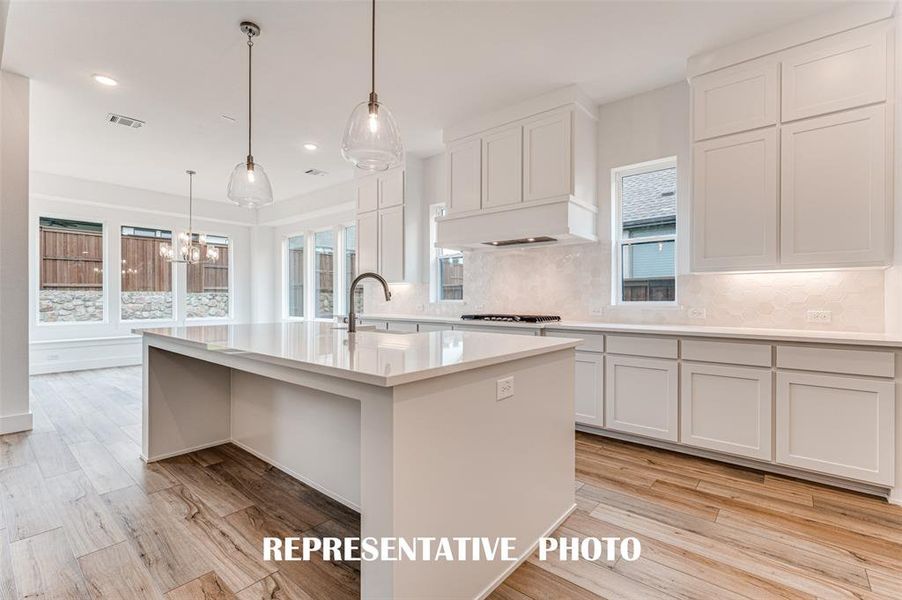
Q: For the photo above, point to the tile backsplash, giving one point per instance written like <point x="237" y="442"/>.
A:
<point x="574" y="282"/>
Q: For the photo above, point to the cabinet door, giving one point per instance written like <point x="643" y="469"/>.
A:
<point x="641" y="396"/>
<point x="836" y="73"/>
<point x="391" y="189"/>
<point x="547" y="157"/>
<point x="464" y="165"/>
<point x="391" y="243"/>
<point x="726" y="409"/>
<point x="502" y="167"/>
<point x="589" y="390"/>
<point x="734" y="202"/>
<point x="367" y="193"/>
<point x="834" y="190"/>
<point x="735" y="99"/>
<point x="837" y="425"/>
<point x="368" y="242"/>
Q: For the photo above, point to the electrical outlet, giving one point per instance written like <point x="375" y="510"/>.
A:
<point x="53" y="357"/>
<point x="820" y="316"/>
<point x="596" y="311"/>
<point x="505" y="388"/>
<point x="697" y="313"/>
<point x="421" y="307"/>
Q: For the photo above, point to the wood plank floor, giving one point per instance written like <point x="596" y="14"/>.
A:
<point x="84" y="517"/>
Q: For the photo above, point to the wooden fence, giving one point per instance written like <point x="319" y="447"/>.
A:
<point x="74" y="260"/>
<point x="71" y="260"/>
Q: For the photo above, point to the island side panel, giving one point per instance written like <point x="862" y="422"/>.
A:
<point x="310" y="434"/>
<point x="467" y="464"/>
<point x="185" y="404"/>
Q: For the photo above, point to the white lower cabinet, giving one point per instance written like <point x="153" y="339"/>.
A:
<point x="641" y="396"/>
<point x="838" y="425"/>
<point x="589" y="396"/>
<point x="726" y="408"/>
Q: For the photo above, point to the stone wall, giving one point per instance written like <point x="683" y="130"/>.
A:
<point x="60" y="306"/>
<point x="208" y="304"/>
<point x="136" y="306"/>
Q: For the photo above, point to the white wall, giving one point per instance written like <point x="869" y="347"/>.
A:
<point x="62" y="346"/>
<point x="15" y="413"/>
<point x="893" y="295"/>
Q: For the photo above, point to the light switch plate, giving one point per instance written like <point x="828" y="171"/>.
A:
<point x="697" y="313"/>
<point x="505" y="388"/>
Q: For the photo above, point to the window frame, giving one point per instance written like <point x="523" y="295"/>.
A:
<point x="173" y="281"/>
<point x="231" y="290"/>
<point x="286" y="284"/>
<point x="106" y="289"/>
<point x="311" y="275"/>
<point x="618" y="242"/>
<point x="435" y="276"/>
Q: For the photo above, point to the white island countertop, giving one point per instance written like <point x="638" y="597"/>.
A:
<point x="375" y="357"/>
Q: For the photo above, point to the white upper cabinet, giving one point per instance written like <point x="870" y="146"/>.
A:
<point x="367" y="193"/>
<point x="391" y="243"/>
<point x="502" y="167"/>
<point x="836" y="73"/>
<point x="834" y="190"/>
<point x="391" y="189"/>
<point x="735" y="99"/>
<point x="791" y="154"/>
<point x="465" y="175"/>
<point x="734" y="209"/>
<point x="368" y="242"/>
<point x="547" y="165"/>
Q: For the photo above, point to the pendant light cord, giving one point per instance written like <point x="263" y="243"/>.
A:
<point x="190" y="207"/>
<point x="250" y="48"/>
<point x="373" y="52"/>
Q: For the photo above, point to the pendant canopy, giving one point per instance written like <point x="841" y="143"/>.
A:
<point x="372" y="139"/>
<point x="249" y="184"/>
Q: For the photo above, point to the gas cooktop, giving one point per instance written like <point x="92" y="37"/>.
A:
<point x="513" y="318"/>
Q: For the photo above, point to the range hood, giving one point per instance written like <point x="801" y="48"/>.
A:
<point x="558" y="220"/>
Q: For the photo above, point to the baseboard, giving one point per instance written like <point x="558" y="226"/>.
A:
<point x="58" y="356"/>
<point x="895" y="496"/>
<point x="524" y="556"/>
<point x="335" y="496"/>
<point x="15" y="423"/>
<point x="185" y="451"/>
<point x="861" y="487"/>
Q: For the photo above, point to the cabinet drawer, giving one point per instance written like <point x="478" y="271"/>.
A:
<point x="591" y="342"/>
<point x="735" y="99"/>
<point x="830" y="360"/>
<point x="726" y="409"/>
<point x="497" y="329"/>
<point x="402" y="326"/>
<point x="434" y="327"/>
<point x="735" y="353"/>
<point x="642" y="345"/>
<point x="837" y="425"/>
<point x="836" y="73"/>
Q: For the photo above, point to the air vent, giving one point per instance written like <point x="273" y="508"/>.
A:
<point x="125" y="121"/>
<point x="316" y="172"/>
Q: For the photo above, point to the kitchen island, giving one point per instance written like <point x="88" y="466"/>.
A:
<point x="408" y="429"/>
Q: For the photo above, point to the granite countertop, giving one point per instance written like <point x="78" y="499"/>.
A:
<point x="708" y="331"/>
<point x="375" y="357"/>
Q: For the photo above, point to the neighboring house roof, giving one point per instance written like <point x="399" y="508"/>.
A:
<point x="649" y="197"/>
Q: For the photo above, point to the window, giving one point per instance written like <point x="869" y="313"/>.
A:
<point x="323" y="254"/>
<point x="447" y="265"/>
<point x="296" y="276"/>
<point x="71" y="284"/>
<point x="351" y="267"/>
<point x="146" y="276"/>
<point x="645" y="232"/>
<point x="208" y="283"/>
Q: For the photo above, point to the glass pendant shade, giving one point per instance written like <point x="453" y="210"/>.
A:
<point x="372" y="139"/>
<point x="249" y="186"/>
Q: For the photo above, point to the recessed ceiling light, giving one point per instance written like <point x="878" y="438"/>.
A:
<point x="310" y="146"/>
<point x="105" y="80"/>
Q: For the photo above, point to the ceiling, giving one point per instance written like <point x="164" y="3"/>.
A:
<point x="182" y="64"/>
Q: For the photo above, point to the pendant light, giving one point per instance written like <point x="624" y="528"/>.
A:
<point x="191" y="251"/>
<point x="249" y="185"/>
<point x="372" y="140"/>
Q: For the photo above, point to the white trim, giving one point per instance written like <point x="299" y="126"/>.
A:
<point x="16" y="423"/>
<point x="617" y="242"/>
<point x="524" y="556"/>
<point x="312" y="214"/>
<point x="185" y="451"/>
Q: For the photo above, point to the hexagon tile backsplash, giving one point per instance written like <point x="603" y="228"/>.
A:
<point x="574" y="282"/>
